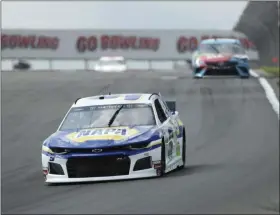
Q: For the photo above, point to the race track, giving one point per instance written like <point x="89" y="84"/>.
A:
<point x="232" y="151"/>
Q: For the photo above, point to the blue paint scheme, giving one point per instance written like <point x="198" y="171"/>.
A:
<point x="59" y="139"/>
<point x="146" y="133"/>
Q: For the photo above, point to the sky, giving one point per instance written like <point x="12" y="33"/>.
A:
<point x="121" y="14"/>
<point x="220" y="15"/>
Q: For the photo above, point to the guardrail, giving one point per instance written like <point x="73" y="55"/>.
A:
<point x="88" y="64"/>
<point x="260" y="23"/>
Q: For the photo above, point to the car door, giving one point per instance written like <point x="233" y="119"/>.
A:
<point x="173" y="116"/>
<point x="174" y="120"/>
<point x="168" y="130"/>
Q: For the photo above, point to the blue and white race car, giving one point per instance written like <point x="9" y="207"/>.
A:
<point x="216" y="57"/>
<point x="114" y="137"/>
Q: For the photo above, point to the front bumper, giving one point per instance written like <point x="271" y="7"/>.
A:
<point x="236" y="69"/>
<point x="98" y="167"/>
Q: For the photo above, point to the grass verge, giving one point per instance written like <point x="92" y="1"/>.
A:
<point x="271" y="70"/>
<point x="275" y="71"/>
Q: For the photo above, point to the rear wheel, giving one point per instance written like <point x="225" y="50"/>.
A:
<point x="184" y="149"/>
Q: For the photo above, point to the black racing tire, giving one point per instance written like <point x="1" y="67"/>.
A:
<point x="184" y="146"/>
<point x="163" y="159"/>
<point x="184" y="150"/>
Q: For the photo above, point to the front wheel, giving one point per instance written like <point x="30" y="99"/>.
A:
<point x="161" y="169"/>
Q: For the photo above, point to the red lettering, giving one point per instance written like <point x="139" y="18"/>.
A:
<point x="81" y="44"/>
<point x="84" y="43"/>
<point x="147" y="43"/>
<point x="185" y="44"/>
<point x="30" y="41"/>
<point x="128" y="42"/>
<point x="144" y="43"/>
<point x="182" y="44"/>
<point x="13" y="41"/>
<point x="42" y="43"/>
<point x="124" y="43"/>
<point x="115" y="42"/>
<point x="193" y="43"/>
<point x="132" y="42"/>
<point x="4" y="41"/>
<point x="92" y="43"/>
<point x="55" y="43"/>
<point x="157" y="44"/>
<point x="24" y="42"/>
<point x="105" y="42"/>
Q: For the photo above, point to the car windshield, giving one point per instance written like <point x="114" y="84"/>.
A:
<point x="111" y="63"/>
<point x="227" y="48"/>
<point x="99" y="116"/>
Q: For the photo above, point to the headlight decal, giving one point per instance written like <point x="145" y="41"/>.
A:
<point x="47" y="149"/>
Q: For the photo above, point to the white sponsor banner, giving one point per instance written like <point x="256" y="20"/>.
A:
<point x="92" y="44"/>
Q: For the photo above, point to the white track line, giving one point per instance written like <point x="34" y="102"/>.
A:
<point x="269" y="92"/>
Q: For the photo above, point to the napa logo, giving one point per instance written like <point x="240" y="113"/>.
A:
<point x="119" y="133"/>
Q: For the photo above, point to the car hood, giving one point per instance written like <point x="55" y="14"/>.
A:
<point x="102" y="137"/>
<point x="214" y="58"/>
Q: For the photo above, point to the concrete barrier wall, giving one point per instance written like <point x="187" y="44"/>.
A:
<point x="260" y="23"/>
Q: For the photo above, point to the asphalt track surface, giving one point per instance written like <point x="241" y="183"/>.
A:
<point x="232" y="151"/>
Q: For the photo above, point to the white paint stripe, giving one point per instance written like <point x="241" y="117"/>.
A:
<point x="254" y="74"/>
<point x="269" y="92"/>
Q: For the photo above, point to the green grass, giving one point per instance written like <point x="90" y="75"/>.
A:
<point x="271" y="70"/>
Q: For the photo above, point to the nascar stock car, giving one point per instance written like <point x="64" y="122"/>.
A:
<point x="115" y="137"/>
<point x="216" y="57"/>
<point x="111" y="64"/>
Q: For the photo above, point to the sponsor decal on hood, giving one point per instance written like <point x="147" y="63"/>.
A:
<point x="103" y="137"/>
<point x="215" y="57"/>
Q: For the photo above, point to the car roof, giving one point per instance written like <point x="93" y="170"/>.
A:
<point x="220" y="41"/>
<point x="132" y="98"/>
